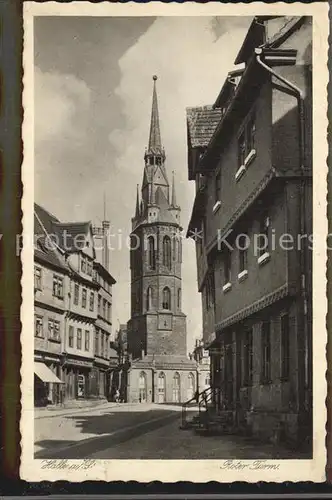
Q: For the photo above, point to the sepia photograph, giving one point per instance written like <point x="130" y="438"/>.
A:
<point x="172" y="241"/>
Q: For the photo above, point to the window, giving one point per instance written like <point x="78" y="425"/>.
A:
<point x="57" y="287"/>
<point x="251" y="131"/>
<point x="87" y="340"/>
<point x="266" y="353"/>
<point x="285" y="339"/>
<point x="54" y="330"/>
<point x="264" y="235"/>
<point x="166" y="298"/>
<point x="99" y="304"/>
<point x="210" y="290"/>
<point x="247" y="358"/>
<point x="83" y="264"/>
<point x="217" y="187"/>
<point x="246" y="142"/>
<point x="102" y="344"/>
<point x="243" y="252"/>
<point x="92" y="301"/>
<point x="191" y="386"/>
<point x="108" y="311"/>
<point x="89" y="268"/>
<point x="176" y="388"/>
<point x="39" y="326"/>
<point x="84" y="298"/>
<point x="38" y="278"/>
<point x="79" y="338"/>
<point x="97" y="343"/>
<point x="106" y="346"/>
<point x="241" y="150"/>
<point x="151" y="252"/>
<point x="76" y="294"/>
<point x="179" y="298"/>
<point x="227" y="266"/>
<point x="161" y="387"/>
<point x="167" y="252"/>
<point x="142" y="387"/>
<point x="104" y="308"/>
<point x="149" y="299"/>
<point x="71" y="336"/>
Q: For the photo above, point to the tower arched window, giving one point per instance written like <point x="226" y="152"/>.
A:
<point x="176" y="388"/>
<point x="175" y="247"/>
<point x="166" y="298"/>
<point x="149" y="299"/>
<point x="191" y="386"/>
<point x="167" y="252"/>
<point x="179" y="298"/>
<point x="151" y="252"/>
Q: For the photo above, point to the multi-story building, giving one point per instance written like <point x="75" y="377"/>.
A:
<point x="50" y="282"/>
<point x="103" y="331"/>
<point x="73" y="295"/>
<point x="202" y="358"/>
<point x="157" y="339"/>
<point x="250" y="155"/>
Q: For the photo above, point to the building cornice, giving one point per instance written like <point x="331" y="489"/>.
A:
<point x="255" y="307"/>
<point x="49" y="307"/>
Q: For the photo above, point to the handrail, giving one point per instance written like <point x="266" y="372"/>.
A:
<point x="196" y="398"/>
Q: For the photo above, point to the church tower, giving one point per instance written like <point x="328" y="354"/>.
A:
<point x="157" y="328"/>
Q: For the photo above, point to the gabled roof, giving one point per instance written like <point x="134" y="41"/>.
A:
<point x="68" y="234"/>
<point x="44" y="251"/>
<point x="45" y="218"/>
<point x="202" y="122"/>
<point x="291" y="24"/>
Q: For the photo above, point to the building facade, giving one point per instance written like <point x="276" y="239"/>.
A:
<point x="69" y="284"/>
<point x="160" y="370"/>
<point x="202" y="358"/>
<point x="250" y="155"/>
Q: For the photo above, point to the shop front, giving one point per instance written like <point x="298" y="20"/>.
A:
<point x="77" y="375"/>
<point x="47" y="383"/>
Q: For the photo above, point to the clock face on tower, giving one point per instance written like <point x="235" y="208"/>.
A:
<point x="165" y="322"/>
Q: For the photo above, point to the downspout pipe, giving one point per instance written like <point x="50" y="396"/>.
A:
<point x="300" y="99"/>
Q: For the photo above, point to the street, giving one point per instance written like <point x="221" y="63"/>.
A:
<point x="137" y="431"/>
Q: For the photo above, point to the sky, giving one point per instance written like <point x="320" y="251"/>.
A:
<point x="93" y="93"/>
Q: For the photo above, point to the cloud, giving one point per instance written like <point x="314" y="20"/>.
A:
<point x="191" y="62"/>
<point x="60" y="98"/>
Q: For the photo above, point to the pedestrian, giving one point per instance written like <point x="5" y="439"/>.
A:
<point x="117" y="396"/>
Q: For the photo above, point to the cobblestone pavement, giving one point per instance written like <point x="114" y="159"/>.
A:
<point x="140" y="432"/>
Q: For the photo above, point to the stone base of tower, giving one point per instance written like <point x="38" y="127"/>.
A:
<point x="161" y="379"/>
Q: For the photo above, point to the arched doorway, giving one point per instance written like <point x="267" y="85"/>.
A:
<point x="191" y="386"/>
<point x="176" y="388"/>
<point x="142" y="387"/>
<point x="161" y="388"/>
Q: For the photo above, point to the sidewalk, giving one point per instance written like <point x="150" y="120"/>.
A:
<point x="57" y="411"/>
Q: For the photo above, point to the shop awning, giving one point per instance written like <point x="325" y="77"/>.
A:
<point x="45" y="374"/>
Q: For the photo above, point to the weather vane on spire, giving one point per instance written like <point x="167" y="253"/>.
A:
<point x="155" y="77"/>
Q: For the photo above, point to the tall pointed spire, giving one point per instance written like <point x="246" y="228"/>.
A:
<point x="155" y="139"/>
<point x="173" y="191"/>
<point x="137" y="202"/>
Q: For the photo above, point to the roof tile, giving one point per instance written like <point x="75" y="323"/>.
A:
<point x="202" y="122"/>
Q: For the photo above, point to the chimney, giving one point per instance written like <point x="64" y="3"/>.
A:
<point x="105" y="253"/>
